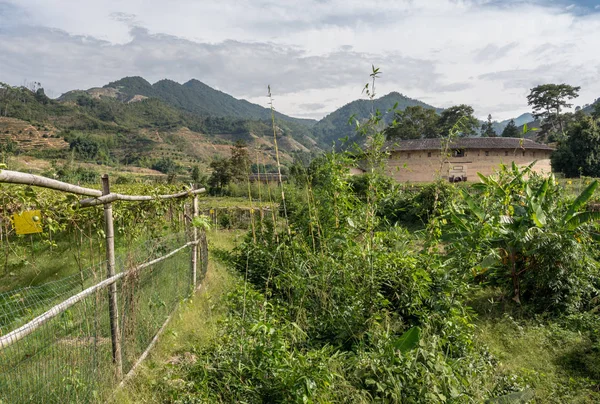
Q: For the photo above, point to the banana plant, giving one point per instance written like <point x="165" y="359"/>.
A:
<point x="503" y="223"/>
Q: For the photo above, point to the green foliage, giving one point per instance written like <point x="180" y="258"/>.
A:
<point x="335" y="125"/>
<point x="547" y="101"/>
<point x="511" y="130"/>
<point x="85" y="148"/>
<point x="525" y="235"/>
<point x="201" y="222"/>
<point x="596" y="110"/>
<point x="166" y="165"/>
<point x="239" y="162"/>
<point x="199" y="99"/>
<point x="71" y="172"/>
<point x="579" y="153"/>
<point x="337" y="309"/>
<point x="196" y="176"/>
<point x="221" y="175"/>
<point x="417" y="205"/>
<point x="458" y="116"/>
<point x="487" y="129"/>
<point x="414" y="122"/>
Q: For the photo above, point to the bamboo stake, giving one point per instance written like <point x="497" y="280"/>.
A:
<point x="112" y="292"/>
<point x="195" y="245"/>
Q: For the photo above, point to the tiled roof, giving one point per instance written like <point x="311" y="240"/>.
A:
<point x="468" y="143"/>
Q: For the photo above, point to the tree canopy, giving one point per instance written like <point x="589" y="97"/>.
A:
<point x="511" y="130"/>
<point x="487" y="129"/>
<point x="579" y="154"/>
<point x="413" y="123"/>
<point x="547" y="101"/>
<point x="459" y="117"/>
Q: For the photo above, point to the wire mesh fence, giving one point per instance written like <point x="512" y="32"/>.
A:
<point x="236" y="217"/>
<point x="68" y="358"/>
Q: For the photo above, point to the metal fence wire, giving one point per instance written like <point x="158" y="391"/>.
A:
<point x="68" y="359"/>
<point x="75" y="339"/>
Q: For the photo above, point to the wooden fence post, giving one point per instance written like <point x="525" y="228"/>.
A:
<point x="195" y="245"/>
<point x="113" y="308"/>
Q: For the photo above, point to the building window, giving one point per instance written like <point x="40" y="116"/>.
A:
<point x="523" y="154"/>
<point x="506" y="153"/>
<point x="407" y="155"/>
<point x="487" y="153"/>
<point x="429" y="154"/>
<point x="458" y="153"/>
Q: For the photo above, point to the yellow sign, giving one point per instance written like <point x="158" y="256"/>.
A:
<point x="28" y="222"/>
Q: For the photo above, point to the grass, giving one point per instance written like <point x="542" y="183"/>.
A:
<point x="194" y="325"/>
<point x="68" y="358"/>
<point x="211" y="202"/>
<point x="560" y="363"/>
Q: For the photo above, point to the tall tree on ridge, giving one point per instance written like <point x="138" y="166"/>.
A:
<point x="511" y="130"/>
<point x="487" y="129"/>
<point x="548" y="101"/>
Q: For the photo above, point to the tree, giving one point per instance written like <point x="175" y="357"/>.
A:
<point x="459" y="117"/>
<point x="239" y="161"/>
<point x="580" y="153"/>
<point x="221" y="175"/>
<point x="511" y="130"/>
<point x="414" y="122"/>
<point x="487" y="129"/>
<point x="84" y="147"/>
<point x="547" y="101"/>
<point x="196" y="176"/>
<point x="166" y="165"/>
<point x="528" y="232"/>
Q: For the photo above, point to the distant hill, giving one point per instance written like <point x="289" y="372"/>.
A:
<point x="135" y="130"/>
<point x="194" y="97"/>
<point x="335" y="125"/>
<point x="589" y="108"/>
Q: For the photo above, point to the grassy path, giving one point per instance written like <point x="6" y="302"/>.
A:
<point x="194" y="325"/>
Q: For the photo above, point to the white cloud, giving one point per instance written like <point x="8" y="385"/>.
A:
<point x="484" y="53"/>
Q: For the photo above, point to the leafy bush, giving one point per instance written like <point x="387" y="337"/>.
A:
<point x="327" y="316"/>
<point x="525" y="234"/>
<point x="416" y="205"/>
<point x="166" y="165"/>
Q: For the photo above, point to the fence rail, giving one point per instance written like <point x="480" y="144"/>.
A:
<point x="60" y="355"/>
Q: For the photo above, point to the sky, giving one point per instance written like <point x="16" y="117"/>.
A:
<point x="315" y="54"/>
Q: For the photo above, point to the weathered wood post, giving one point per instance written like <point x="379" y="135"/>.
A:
<point x="195" y="245"/>
<point x="113" y="308"/>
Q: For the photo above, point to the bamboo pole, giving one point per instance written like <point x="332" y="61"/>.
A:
<point x="195" y="245"/>
<point x="113" y="307"/>
<point x="108" y="198"/>
<point x="15" y="177"/>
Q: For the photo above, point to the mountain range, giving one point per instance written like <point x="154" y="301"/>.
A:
<point x="131" y="121"/>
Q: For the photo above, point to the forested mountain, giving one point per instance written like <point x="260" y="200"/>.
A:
<point x="140" y="130"/>
<point x="335" y="125"/>
<point x="590" y="108"/>
<point x="194" y="97"/>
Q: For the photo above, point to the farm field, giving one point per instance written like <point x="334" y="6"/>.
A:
<point x="336" y="312"/>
